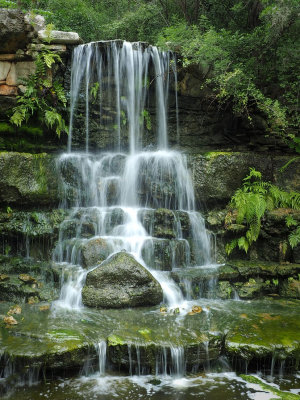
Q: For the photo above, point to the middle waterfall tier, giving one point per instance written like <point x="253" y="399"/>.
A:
<point x="142" y="203"/>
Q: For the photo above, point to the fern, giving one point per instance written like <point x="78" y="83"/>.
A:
<point x="294" y="237"/>
<point x="42" y="95"/>
<point x="290" y="221"/>
<point x="54" y="119"/>
<point x="251" y="203"/>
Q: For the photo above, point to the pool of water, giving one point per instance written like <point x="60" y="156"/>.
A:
<point x="210" y="386"/>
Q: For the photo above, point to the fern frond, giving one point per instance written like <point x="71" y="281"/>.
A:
<point x="231" y="246"/>
<point x="243" y="244"/>
<point x="252" y="201"/>
<point x="19" y="116"/>
<point x="290" y="221"/>
<point x="294" y="237"/>
<point x="60" y="93"/>
<point x="295" y="200"/>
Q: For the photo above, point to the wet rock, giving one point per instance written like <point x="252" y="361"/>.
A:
<point x="94" y="251"/>
<point x="196" y="310"/>
<point x="10" y="320"/>
<point x="38" y="228"/>
<point x="290" y="288"/>
<point x="3" y="277"/>
<point x="264" y="337"/>
<point x="250" y="289"/>
<point x="225" y="290"/>
<point x="120" y="282"/>
<point x="164" y="254"/>
<point x="33" y="300"/>
<point x="228" y="272"/>
<point x="27" y="278"/>
<point x="164" y="223"/>
<point x="44" y="308"/>
<point x="41" y="283"/>
<point x="28" y="179"/>
<point x="14" y="310"/>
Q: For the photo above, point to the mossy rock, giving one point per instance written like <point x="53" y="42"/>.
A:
<point x="270" y="388"/>
<point x="290" y="288"/>
<point x="121" y="281"/>
<point x="28" y="179"/>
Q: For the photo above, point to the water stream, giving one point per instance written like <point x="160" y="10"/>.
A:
<point x="135" y="199"/>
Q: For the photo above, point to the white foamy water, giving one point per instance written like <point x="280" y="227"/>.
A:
<point x="115" y="196"/>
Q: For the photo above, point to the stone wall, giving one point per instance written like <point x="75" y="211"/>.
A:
<point x="22" y="37"/>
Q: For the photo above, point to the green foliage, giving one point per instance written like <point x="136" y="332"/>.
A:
<point x="248" y="60"/>
<point x="6" y="128"/>
<point x="245" y="49"/>
<point x="252" y="201"/>
<point x="294" y="237"/>
<point x="42" y="95"/>
<point x="145" y="118"/>
<point x="94" y="91"/>
<point x="8" y="4"/>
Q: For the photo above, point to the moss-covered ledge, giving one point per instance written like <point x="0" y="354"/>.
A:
<point x="28" y="180"/>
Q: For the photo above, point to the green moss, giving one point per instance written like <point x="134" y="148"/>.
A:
<point x="114" y="340"/>
<point x="6" y="128"/>
<point x="272" y="389"/>
<point x="31" y="130"/>
<point x="145" y="333"/>
<point x="211" y="155"/>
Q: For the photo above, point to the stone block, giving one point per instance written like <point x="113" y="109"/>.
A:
<point x="58" y="37"/>
<point x="4" y="69"/>
<point x="11" y="78"/>
<point x="6" y="90"/>
<point x="52" y="47"/>
<point x="8" y="57"/>
<point x="20" y="70"/>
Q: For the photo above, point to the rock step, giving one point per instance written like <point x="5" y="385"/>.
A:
<point x="145" y="339"/>
<point x="239" y="278"/>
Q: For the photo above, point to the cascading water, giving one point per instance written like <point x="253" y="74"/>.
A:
<point x="141" y="201"/>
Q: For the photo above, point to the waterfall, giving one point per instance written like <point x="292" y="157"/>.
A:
<point x="101" y="350"/>
<point x="139" y="199"/>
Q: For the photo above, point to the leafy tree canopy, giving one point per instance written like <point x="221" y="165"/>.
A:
<point x="250" y="49"/>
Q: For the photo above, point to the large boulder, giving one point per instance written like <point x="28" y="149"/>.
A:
<point x="120" y="282"/>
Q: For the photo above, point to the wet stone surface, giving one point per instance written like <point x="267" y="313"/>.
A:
<point x="59" y="339"/>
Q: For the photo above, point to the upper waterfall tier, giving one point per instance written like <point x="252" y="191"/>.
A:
<point x="116" y="82"/>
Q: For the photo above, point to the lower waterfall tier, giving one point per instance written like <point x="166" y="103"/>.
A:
<point x="248" y="334"/>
